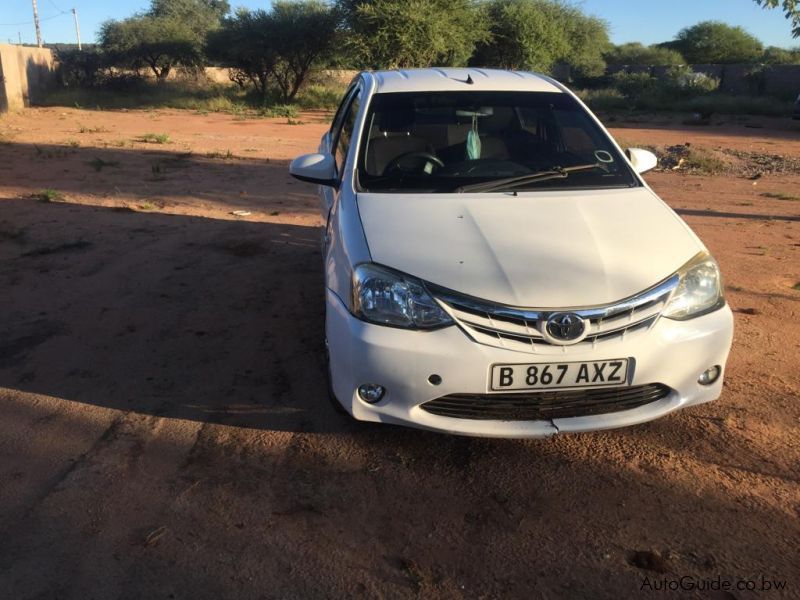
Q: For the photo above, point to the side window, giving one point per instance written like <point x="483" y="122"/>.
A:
<point x="336" y="124"/>
<point x="342" y="143"/>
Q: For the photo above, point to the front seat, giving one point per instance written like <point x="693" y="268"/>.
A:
<point x="393" y="139"/>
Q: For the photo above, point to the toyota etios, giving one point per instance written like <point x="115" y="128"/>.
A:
<point x="496" y="266"/>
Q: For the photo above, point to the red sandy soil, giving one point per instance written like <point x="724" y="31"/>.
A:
<point x="164" y="428"/>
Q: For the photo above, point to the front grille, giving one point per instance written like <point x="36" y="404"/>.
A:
<point x="521" y="329"/>
<point x="536" y="406"/>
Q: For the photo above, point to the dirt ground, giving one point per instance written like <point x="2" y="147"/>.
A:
<point x="164" y="428"/>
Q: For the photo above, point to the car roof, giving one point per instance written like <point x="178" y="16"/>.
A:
<point x="450" y="79"/>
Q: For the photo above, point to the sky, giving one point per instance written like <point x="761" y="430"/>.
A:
<point x="648" y="21"/>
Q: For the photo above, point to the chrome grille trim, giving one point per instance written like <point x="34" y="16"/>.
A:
<point x="521" y="328"/>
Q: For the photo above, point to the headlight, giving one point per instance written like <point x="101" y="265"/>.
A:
<point x="387" y="297"/>
<point x="699" y="291"/>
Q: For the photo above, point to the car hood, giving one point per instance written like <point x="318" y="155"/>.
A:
<point x="537" y="249"/>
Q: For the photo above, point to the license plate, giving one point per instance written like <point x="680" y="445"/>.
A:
<point x="537" y="376"/>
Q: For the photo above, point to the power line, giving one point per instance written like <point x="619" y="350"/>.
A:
<point x="50" y="18"/>
<point x="63" y="12"/>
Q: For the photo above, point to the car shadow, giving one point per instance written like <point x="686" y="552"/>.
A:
<point x="178" y="316"/>
<point x="689" y="212"/>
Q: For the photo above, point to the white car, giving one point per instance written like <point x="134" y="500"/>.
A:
<point x="496" y="266"/>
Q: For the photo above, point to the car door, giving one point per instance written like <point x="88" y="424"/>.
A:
<point x="331" y="144"/>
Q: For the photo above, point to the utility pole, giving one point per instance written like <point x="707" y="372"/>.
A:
<point x="77" y="27"/>
<point x="19" y="37"/>
<point x="36" y="23"/>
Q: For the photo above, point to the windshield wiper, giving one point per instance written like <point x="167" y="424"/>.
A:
<point x="511" y="182"/>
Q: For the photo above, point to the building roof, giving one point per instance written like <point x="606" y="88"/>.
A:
<point x="455" y="79"/>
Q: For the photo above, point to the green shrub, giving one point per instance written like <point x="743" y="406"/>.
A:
<point x="321" y="96"/>
<point x="634" y="85"/>
<point x="684" y="81"/>
<point x="604" y="99"/>
<point x="288" y="111"/>
<point x="88" y="67"/>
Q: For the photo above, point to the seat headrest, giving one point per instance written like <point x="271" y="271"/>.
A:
<point x="396" y="121"/>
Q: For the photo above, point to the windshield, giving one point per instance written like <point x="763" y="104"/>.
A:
<point x="450" y="141"/>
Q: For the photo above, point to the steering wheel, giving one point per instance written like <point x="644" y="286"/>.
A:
<point x="413" y="162"/>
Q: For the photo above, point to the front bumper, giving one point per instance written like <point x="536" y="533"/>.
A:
<point x="673" y="353"/>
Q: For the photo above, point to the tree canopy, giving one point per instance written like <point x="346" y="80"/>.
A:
<point x="411" y="33"/>
<point x="781" y="56"/>
<point x="279" y="46"/>
<point x="635" y="53"/>
<point x="170" y="33"/>
<point x="716" y="42"/>
<point x="200" y="15"/>
<point x="538" y="34"/>
<point x="152" y="42"/>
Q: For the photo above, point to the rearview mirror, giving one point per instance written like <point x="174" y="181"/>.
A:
<point x="642" y="160"/>
<point x="314" y="168"/>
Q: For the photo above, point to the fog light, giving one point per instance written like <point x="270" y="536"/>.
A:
<point x="371" y="392"/>
<point x="710" y="375"/>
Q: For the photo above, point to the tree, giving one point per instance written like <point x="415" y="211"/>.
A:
<point x="781" y="56"/>
<point x="303" y="34"/>
<point x="244" y="43"/>
<point x="538" y="34"/>
<point x="714" y="42"/>
<point x="156" y="43"/>
<point x="388" y="34"/>
<point x="791" y="8"/>
<point x="588" y="41"/>
<point x="280" y="46"/>
<point x="211" y="12"/>
<point x="84" y="68"/>
<point x="170" y="33"/>
<point x="635" y="53"/>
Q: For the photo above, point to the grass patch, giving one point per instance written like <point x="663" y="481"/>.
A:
<point x="48" y="195"/>
<point x="84" y="129"/>
<point x="318" y="96"/>
<point x="98" y="164"/>
<point x="701" y="160"/>
<point x="224" y="156"/>
<point x="146" y="206"/>
<point x="146" y="94"/>
<point x="288" y="111"/>
<point x="779" y="196"/>
<point x="160" y="167"/>
<point x="50" y="152"/>
<point x="153" y="138"/>
<point x="796" y="286"/>
<point x="202" y="97"/>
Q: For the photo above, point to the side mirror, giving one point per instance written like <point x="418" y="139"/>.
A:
<point x="642" y="160"/>
<point x="314" y="168"/>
